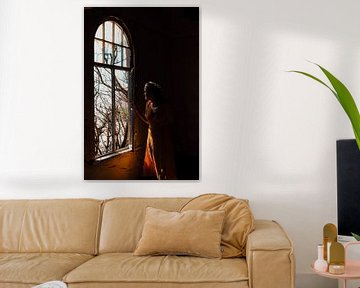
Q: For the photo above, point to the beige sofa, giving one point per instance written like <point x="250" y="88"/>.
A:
<point x="89" y="243"/>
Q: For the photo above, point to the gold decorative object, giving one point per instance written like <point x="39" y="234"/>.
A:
<point x="330" y="236"/>
<point x="336" y="269"/>
<point x="337" y="258"/>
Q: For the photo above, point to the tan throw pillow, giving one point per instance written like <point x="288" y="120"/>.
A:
<point x="239" y="220"/>
<point x="196" y="233"/>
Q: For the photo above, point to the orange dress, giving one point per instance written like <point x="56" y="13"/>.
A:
<point x="159" y="155"/>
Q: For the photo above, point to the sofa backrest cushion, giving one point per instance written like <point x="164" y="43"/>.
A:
<point x="239" y="220"/>
<point x="64" y="225"/>
<point x="123" y="220"/>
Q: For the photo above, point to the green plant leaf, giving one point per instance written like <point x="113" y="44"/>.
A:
<point x="316" y="79"/>
<point x="346" y="100"/>
<point x="344" y="97"/>
<point x="356" y="236"/>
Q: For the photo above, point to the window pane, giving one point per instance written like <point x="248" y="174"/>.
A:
<point x="125" y="41"/>
<point x="108" y="31"/>
<point x="122" y="80"/>
<point x="126" y="57"/>
<point x="98" y="51"/>
<point x="118" y="34"/>
<point x="122" y="57"/>
<point x="111" y="85"/>
<point x="118" y="55"/>
<point x="99" y="32"/>
<point x="102" y="111"/>
<point x="122" y="115"/>
<point x="108" y="55"/>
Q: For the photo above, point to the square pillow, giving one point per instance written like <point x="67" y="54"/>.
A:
<point x="192" y="232"/>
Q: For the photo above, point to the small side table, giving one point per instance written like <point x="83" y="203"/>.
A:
<point x="352" y="268"/>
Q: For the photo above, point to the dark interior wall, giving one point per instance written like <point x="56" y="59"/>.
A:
<point x="166" y="51"/>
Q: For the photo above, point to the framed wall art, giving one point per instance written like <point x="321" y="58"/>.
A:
<point x="141" y="93"/>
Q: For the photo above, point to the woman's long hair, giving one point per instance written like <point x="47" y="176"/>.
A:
<point x="155" y="91"/>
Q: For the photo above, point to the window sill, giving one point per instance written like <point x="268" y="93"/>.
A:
<point x="117" y="153"/>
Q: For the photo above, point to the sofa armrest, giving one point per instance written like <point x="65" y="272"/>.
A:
<point x="269" y="256"/>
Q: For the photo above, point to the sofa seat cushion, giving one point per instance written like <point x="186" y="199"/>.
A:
<point x="242" y="284"/>
<point x="36" y="268"/>
<point x="127" y="268"/>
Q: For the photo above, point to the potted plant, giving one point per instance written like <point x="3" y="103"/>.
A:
<point x="347" y="102"/>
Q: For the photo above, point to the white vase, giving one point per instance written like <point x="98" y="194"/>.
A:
<point x="320" y="264"/>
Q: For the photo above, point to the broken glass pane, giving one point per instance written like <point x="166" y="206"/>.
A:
<point x="102" y="111"/>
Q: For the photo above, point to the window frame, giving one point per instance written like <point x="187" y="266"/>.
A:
<point x="113" y="68"/>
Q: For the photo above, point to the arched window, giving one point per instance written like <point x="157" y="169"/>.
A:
<point x="112" y="90"/>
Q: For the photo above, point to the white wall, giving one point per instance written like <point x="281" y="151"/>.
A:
<point x="266" y="135"/>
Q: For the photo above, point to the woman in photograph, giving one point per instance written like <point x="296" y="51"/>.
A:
<point x="159" y="154"/>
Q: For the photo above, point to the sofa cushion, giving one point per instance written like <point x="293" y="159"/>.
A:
<point x="193" y="232"/>
<point x="63" y="226"/>
<point x="126" y="268"/>
<point x="239" y="220"/>
<point x="123" y="220"/>
<point x="36" y="268"/>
